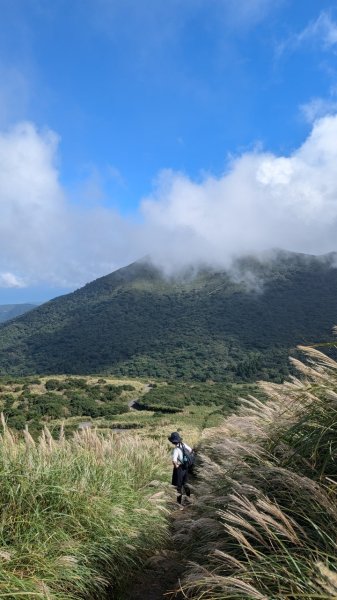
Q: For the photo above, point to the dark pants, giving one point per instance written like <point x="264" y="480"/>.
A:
<point x="180" y="481"/>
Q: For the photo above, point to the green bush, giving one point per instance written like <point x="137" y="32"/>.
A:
<point x="52" y="384"/>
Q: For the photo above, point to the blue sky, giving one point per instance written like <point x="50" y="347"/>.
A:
<point x="122" y="120"/>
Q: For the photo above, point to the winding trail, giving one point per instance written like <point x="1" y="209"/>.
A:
<point x="132" y="404"/>
<point x="161" y="575"/>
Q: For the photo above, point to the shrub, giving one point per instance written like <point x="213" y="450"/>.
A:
<point x="52" y="384"/>
<point x="126" y="387"/>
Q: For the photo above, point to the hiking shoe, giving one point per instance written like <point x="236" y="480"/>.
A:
<point x="188" y="500"/>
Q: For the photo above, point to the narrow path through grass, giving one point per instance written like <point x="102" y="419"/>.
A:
<point x="162" y="572"/>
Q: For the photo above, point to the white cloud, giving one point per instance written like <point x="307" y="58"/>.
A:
<point x="317" y="108"/>
<point x="31" y="199"/>
<point x="261" y="202"/>
<point x="323" y="29"/>
<point x="245" y="14"/>
<point x="9" y="280"/>
<point x="320" y="33"/>
<point x="43" y="237"/>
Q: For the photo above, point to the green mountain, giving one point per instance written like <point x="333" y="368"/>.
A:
<point x="199" y="326"/>
<point x="10" y="311"/>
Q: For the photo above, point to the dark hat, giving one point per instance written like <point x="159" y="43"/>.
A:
<point x="174" y="437"/>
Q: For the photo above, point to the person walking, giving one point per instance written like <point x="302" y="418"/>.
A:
<point x="180" y="468"/>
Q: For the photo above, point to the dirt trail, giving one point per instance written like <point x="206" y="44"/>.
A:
<point x="132" y="404"/>
<point x="162" y="573"/>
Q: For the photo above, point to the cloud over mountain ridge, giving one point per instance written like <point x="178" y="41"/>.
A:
<point x="261" y="201"/>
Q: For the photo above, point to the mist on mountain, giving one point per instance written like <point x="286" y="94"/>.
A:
<point x="259" y="202"/>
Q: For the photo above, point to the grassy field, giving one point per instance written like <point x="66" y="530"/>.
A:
<point x="85" y="496"/>
<point x="105" y="403"/>
<point x="78" y="514"/>
<point x="79" y="511"/>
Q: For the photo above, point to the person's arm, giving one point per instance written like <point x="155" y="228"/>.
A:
<point x="188" y="448"/>
<point x="175" y="455"/>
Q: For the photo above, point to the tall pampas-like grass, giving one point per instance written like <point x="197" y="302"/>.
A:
<point x="78" y="513"/>
<point x="264" y="523"/>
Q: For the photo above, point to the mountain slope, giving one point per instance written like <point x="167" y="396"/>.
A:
<point x="211" y="326"/>
<point x="10" y="311"/>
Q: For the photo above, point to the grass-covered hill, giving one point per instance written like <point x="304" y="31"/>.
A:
<point x="209" y="326"/>
<point x="10" y="311"/>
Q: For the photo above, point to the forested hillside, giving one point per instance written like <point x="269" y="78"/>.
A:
<point x="206" y="326"/>
<point x="10" y="311"/>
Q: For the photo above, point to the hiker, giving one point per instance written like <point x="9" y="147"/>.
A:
<point x="180" y="467"/>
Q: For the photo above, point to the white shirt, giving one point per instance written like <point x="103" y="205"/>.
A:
<point x="177" y="454"/>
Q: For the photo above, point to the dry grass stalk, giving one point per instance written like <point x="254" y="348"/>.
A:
<point x="29" y="441"/>
<point x="244" y="524"/>
<point x="279" y="523"/>
<point x="3" y="422"/>
<point x="45" y="591"/>
<point x="7" y="437"/>
<point x="327" y="579"/>
<point x="232" y="584"/>
<point x="319" y="358"/>
<point x="62" y="435"/>
<point x="290" y="524"/>
<point x="309" y="372"/>
<point x="239" y="536"/>
<point x="229" y="559"/>
<point x="67" y="561"/>
<point x="5" y="555"/>
<point x="259" y="409"/>
<point x="209" y="587"/>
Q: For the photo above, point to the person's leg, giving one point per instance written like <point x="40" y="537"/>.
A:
<point x="185" y="484"/>
<point x="179" y="494"/>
